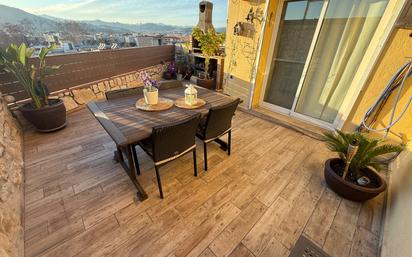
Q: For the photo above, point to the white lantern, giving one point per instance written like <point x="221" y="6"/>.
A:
<point x="190" y="95"/>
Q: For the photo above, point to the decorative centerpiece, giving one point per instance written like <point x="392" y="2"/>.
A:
<point x="151" y="101"/>
<point x="190" y="95"/>
<point x="150" y="91"/>
<point x="190" y="101"/>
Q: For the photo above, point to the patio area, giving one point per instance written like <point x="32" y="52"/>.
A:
<point x="256" y="202"/>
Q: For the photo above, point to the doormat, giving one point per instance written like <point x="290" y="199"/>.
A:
<point x="306" y="248"/>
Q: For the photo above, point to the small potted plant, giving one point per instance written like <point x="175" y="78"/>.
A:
<point x="209" y="43"/>
<point x="354" y="174"/>
<point x="182" y="58"/>
<point x="150" y="91"/>
<point x="45" y="114"/>
<point x="180" y="67"/>
<point x="169" y="70"/>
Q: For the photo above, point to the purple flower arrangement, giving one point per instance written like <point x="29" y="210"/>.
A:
<point x="170" y="68"/>
<point x="149" y="83"/>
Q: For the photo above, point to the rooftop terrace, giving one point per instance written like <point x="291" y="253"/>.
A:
<point x="256" y="202"/>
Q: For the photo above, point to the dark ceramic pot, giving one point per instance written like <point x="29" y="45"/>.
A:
<point x="349" y="190"/>
<point x="167" y="75"/>
<point x="47" y="119"/>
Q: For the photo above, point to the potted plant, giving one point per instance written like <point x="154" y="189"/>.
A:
<point x="169" y="70"/>
<point x="180" y="66"/>
<point x="150" y="91"/>
<point x="182" y="61"/>
<point x="189" y="66"/>
<point x="209" y="43"/>
<point x="354" y="174"/>
<point x="45" y="114"/>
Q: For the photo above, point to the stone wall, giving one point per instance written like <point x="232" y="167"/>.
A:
<point x="77" y="97"/>
<point x="11" y="185"/>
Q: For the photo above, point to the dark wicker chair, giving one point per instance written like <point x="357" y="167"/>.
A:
<point x="217" y="123"/>
<point x="119" y="93"/>
<point x="169" y="142"/>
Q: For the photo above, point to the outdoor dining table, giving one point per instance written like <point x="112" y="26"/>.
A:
<point x="127" y="125"/>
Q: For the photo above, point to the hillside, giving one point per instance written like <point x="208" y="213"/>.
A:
<point x="16" y="16"/>
<point x="45" y="23"/>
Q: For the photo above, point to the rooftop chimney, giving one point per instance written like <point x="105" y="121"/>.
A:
<point x="205" y="21"/>
<point x="205" y="16"/>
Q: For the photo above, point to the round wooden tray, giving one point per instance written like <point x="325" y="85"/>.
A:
<point x="162" y="105"/>
<point x="181" y="103"/>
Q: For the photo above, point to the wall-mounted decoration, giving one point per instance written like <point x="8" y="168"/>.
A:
<point x="237" y="29"/>
<point x="244" y="29"/>
<point x="254" y="15"/>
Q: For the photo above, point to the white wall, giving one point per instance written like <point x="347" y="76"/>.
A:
<point x="397" y="236"/>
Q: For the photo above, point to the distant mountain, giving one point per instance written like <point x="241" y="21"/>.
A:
<point x="51" y="17"/>
<point x="16" y="16"/>
<point x="45" y="23"/>
<point x="99" y="25"/>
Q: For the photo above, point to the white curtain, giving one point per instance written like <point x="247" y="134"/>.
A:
<point x="346" y="32"/>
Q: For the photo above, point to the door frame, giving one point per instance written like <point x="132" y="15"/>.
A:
<point x="271" y="52"/>
<point x="369" y="60"/>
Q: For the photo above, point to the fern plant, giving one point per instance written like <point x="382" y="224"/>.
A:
<point x="368" y="152"/>
<point x="209" y="43"/>
<point x="15" y="59"/>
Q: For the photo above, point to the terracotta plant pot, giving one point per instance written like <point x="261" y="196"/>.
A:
<point x="349" y="190"/>
<point x="206" y="83"/>
<point x="47" y="119"/>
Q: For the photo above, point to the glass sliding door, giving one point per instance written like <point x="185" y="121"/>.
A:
<point x="298" y="22"/>
<point x="347" y="29"/>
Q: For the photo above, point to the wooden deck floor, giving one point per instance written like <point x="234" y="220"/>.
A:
<point x="257" y="202"/>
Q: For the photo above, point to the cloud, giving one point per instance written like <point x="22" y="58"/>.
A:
<point x="182" y="12"/>
<point x="62" y="7"/>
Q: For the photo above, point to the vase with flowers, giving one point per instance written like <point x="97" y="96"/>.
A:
<point x="150" y="90"/>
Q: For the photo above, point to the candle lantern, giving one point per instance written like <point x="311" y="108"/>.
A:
<point x="190" y="95"/>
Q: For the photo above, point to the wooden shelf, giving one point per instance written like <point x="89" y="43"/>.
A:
<point x="219" y="69"/>
<point x="202" y="56"/>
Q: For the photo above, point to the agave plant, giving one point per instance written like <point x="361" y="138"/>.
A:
<point x="15" y="59"/>
<point x="368" y="150"/>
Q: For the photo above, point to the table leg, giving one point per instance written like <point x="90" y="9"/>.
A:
<point x="131" y="171"/>
<point x="118" y="156"/>
<point x="135" y="160"/>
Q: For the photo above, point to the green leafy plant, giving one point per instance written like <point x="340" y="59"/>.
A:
<point x="209" y="43"/>
<point x="368" y="151"/>
<point x="15" y="59"/>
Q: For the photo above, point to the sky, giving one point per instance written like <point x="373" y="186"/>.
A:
<point x="174" y="12"/>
